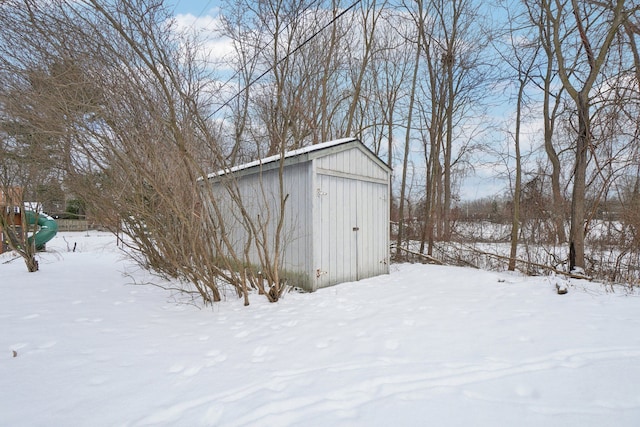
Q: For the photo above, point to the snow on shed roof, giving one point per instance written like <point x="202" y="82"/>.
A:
<point x="277" y="157"/>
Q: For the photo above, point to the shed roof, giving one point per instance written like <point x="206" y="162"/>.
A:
<point x="294" y="153"/>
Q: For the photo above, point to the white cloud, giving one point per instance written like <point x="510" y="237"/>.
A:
<point x="215" y="47"/>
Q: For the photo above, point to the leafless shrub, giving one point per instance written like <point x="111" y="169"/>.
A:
<point x="125" y="104"/>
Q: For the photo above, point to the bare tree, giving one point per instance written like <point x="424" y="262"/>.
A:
<point x="595" y="36"/>
<point x="29" y="156"/>
<point x="407" y="138"/>
<point x="137" y="147"/>
<point x="452" y="44"/>
<point x="371" y="15"/>
<point x="521" y="58"/>
<point x="551" y="104"/>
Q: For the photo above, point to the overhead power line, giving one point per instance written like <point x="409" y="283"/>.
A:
<point x="235" y="74"/>
<point x="286" y="57"/>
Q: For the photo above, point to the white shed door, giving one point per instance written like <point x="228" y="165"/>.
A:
<point x="353" y="229"/>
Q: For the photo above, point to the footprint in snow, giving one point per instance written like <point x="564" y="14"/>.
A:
<point x="30" y="316"/>
<point x="526" y="391"/>
<point x="98" y="380"/>
<point x="190" y="372"/>
<point x="258" y="354"/>
<point x="176" y="369"/>
<point x="88" y="320"/>
<point x="215" y="357"/>
<point x="260" y="351"/>
<point x="391" y="344"/>
<point x="47" y="344"/>
<point x="325" y="343"/>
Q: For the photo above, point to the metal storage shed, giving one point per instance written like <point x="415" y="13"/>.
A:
<point x="336" y="219"/>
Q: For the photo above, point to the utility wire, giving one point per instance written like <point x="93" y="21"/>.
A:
<point x="235" y="74"/>
<point x="206" y="6"/>
<point x="300" y="46"/>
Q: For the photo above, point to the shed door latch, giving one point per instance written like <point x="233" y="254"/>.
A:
<point x="356" y="228"/>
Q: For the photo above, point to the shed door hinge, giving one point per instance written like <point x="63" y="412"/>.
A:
<point x="320" y="273"/>
<point x="321" y="193"/>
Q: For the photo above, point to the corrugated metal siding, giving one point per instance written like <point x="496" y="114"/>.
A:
<point x="298" y="225"/>
<point x="353" y="162"/>
<point x="329" y="195"/>
<point x="261" y="198"/>
<point x="352" y="218"/>
<point x="336" y="249"/>
<point x="373" y="236"/>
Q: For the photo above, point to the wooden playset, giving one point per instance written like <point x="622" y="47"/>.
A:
<point x="15" y="217"/>
<point x="12" y="214"/>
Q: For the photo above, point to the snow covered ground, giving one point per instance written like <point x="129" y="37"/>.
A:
<point x="425" y="345"/>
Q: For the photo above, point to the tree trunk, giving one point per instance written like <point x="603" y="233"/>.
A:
<point x="366" y="58"/>
<point x="407" y="141"/>
<point x="552" y="155"/>
<point x="515" y="217"/>
<point x="32" y="263"/>
<point x="595" y="61"/>
<point x="446" y="211"/>
<point x="576" y="236"/>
